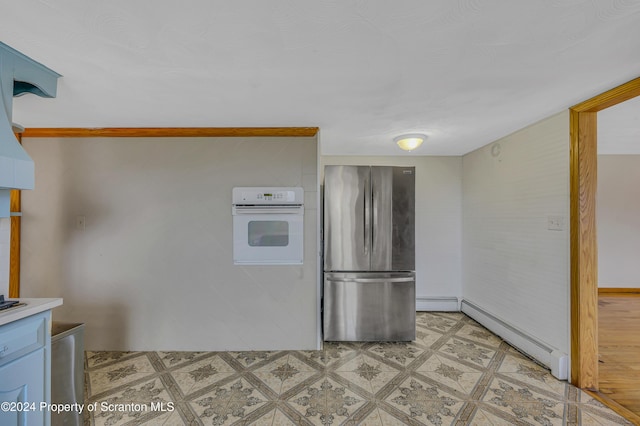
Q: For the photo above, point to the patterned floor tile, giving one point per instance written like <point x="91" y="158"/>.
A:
<point x="371" y="419"/>
<point x="479" y="334"/>
<point x="382" y="366"/>
<point x="520" y="368"/>
<point x="426" y="336"/>
<point x="280" y="418"/>
<point x="456" y="372"/>
<point x="96" y="359"/>
<point x="453" y="374"/>
<point x="485" y="418"/>
<point x="139" y="418"/>
<point x="193" y="377"/>
<point x="437" y="321"/>
<point x="175" y="358"/>
<point x="135" y="403"/>
<point x="332" y="353"/>
<point x="468" y="351"/>
<point x="326" y="402"/>
<point x="360" y="372"/>
<point x="368" y="373"/>
<point x="356" y="381"/>
<point x="248" y="359"/>
<point x="397" y="353"/>
<point x="116" y="374"/>
<point x="524" y="403"/>
<point x="389" y="419"/>
<point x="263" y="420"/>
<point x="424" y="402"/>
<point x="228" y="403"/>
<point x="284" y="373"/>
<point x="174" y="419"/>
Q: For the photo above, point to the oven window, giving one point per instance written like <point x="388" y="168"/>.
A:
<point x="268" y="233"/>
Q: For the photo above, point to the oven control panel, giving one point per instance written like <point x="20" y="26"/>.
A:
<point x="267" y="195"/>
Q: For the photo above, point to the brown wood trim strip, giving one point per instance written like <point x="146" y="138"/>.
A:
<point x="624" y="412"/>
<point x="15" y="202"/>
<point x="156" y="132"/>
<point x="618" y="290"/>
<point x="612" y="97"/>
<point x="15" y="205"/>
<point x="584" y="258"/>
<point x="14" y="257"/>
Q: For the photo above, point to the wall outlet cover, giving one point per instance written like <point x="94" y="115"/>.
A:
<point x="555" y="223"/>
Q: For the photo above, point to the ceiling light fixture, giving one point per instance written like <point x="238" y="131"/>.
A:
<point x="410" y="141"/>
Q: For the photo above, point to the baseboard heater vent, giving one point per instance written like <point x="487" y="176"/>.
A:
<point x="554" y="359"/>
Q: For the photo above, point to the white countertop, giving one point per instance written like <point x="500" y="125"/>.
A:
<point x="32" y="307"/>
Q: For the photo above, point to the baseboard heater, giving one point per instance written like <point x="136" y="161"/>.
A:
<point x="552" y="358"/>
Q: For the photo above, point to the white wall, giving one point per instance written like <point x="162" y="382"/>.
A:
<point x="514" y="267"/>
<point x="438" y="224"/>
<point x="153" y="268"/>
<point x="618" y="216"/>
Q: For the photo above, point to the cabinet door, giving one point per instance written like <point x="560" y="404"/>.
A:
<point x="21" y="384"/>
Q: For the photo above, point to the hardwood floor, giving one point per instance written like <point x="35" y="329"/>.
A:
<point x="619" y="348"/>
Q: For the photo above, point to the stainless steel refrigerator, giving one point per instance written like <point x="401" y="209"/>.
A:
<point x="369" y="253"/>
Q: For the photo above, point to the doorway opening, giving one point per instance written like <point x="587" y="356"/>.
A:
<point x="584" y="258"/>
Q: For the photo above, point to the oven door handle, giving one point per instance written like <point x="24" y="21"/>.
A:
<point x="245" y="210"/>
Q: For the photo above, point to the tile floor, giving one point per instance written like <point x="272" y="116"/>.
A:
<point x="455" y="373"/>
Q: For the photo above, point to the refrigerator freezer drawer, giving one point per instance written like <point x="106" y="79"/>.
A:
<point x="370" y="306"/>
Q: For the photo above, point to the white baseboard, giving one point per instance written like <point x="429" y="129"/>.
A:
<point x="551" y="357"/>
<point x="438" y="304"/>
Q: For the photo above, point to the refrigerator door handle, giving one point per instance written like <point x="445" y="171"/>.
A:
<point x="373" y="280"/>
<point x="374" y="218"/>
<point x="366" y="223"/>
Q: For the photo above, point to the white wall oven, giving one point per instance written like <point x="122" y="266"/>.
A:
<point x="268" y="225"/>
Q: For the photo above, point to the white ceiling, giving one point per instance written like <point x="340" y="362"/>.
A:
<point x="464" y="72"/>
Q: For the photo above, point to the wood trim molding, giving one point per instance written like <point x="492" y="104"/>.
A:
<point x="15" y="205"/>
<point x="14" y="257"/>
<point x="584" y="255"/>
<point x="157" y="132"/>
<point x="617" y="290"/>
<point x="624" y="92"/>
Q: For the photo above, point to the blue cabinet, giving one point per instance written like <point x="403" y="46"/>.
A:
<point x="25" y="360"/>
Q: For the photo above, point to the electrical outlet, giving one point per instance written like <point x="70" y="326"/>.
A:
<point x="555" y="223"/>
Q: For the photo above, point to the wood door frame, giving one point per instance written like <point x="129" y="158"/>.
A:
<point x="584" y="249"/>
